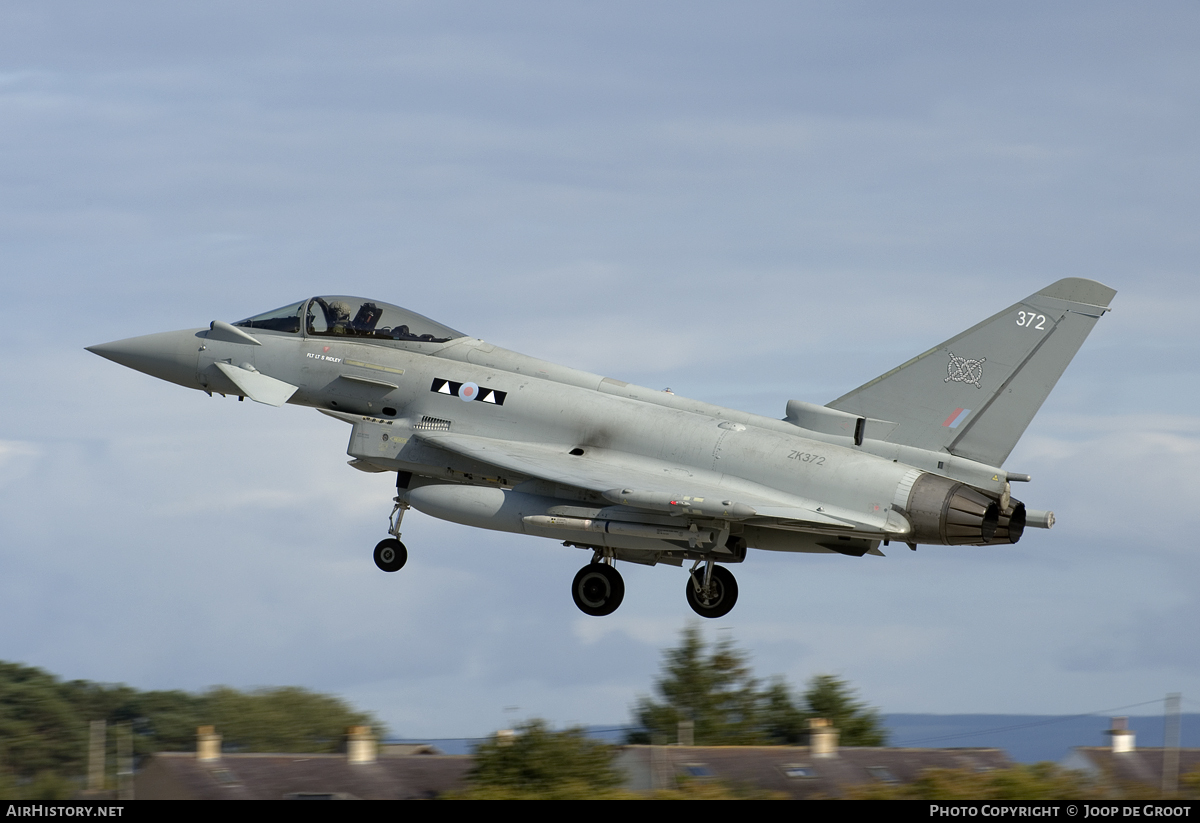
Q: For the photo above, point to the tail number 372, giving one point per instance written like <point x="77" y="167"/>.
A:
<point x="1029" y="320"/>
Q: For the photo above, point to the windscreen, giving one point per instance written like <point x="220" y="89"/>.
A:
<point x="286" y="319"/>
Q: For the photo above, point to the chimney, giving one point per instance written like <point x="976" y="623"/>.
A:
<point x="1122" y="736"/>
<point x="822" y="737"/>
<point x="96" y="756"/>
<point x="687" y="733"/>
<point x="208" y="743"/>
<point x="360" y="745"/>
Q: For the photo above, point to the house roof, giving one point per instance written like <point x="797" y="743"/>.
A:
<point x="794" y="770"/>
<point x="1142" y="765"/>
<point x="183" y="776"/>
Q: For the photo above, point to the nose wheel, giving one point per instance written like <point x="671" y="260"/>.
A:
<point x="390" y="555"/>
<point x="598" y="589"/>
<point x="711" y="591"/>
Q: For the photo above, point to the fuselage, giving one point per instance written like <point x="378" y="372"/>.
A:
<point x="542" y="402"/>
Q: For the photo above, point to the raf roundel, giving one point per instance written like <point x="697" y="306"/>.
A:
<point x="468" y="392"/>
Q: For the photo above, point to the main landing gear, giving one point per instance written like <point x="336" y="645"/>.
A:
<point x="598" y="588"/>
<point x="390" y="554"/>
<point x="711" y="592"/>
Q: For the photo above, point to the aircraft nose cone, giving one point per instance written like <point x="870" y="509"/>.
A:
<point x="168" y="356"/>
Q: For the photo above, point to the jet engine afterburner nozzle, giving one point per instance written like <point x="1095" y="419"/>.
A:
<point x="954" y="514"/>
<point x="1012" y="523"/>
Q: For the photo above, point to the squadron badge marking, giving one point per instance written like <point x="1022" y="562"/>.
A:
<point x="962" y="370"/>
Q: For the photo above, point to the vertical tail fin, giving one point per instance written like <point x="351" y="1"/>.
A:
<point x="975" y="394"/>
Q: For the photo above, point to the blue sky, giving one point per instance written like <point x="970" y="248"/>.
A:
<point x="745" y="203"/>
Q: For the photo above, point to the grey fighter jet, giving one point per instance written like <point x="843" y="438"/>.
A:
<point x="486" y="437"/>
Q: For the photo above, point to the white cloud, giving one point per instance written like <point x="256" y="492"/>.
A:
<point x="660" y="632"/>
<point x="17" y="458"/>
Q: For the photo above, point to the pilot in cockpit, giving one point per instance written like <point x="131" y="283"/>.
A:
<point x="339" y="317"/>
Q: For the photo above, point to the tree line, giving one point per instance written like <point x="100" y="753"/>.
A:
<point x="715" y="691"/>
<point x="44" y="724"/>
<point x="711" y="690"/>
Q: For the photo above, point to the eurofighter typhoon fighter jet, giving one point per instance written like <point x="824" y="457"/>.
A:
<point x="486" y="437"/>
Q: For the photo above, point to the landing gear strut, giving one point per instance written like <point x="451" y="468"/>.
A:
<point x="711" y="591"/>
<point x="390" y="554"/>
<point x="598" y="588"/>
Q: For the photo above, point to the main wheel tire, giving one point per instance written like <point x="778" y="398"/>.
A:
<point x="390" y="555"/>
<point x="722" y="598"/>
<point x="598" y="589"/>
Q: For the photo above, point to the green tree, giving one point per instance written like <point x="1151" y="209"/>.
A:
<point x="536" y="761"/>
<point x="833" y="699"/>
<point x="287" y="719"/>
<point x="44" y="724"/>
<point x="1189" y="784"/>
<point x="1040" y="781"/>
<point x="783" y="722"/>
<point x="716" y="692"/>
<point x="40" y="728"/>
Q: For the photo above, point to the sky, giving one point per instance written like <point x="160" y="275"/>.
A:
<point x="746" y="203"/>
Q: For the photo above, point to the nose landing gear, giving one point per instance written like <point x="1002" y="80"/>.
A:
<point x="390" y="554"/>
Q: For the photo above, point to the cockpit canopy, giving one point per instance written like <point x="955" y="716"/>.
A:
<point x="343" y="316"/>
